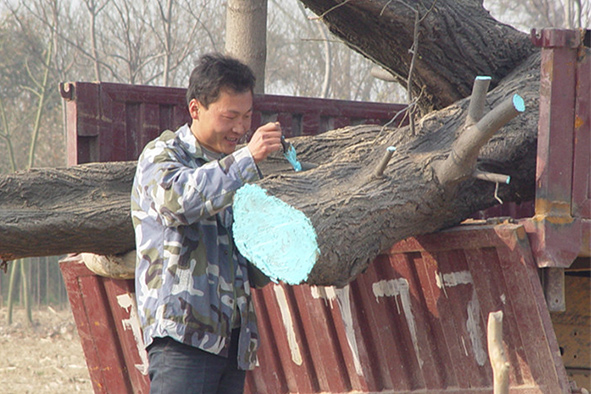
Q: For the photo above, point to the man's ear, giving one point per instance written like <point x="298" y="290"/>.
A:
<point x="194" y="109"/>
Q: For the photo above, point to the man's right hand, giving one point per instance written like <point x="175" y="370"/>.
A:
<point x="265" y="140"/>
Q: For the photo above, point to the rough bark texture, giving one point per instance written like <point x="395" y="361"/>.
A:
<point x="45" y="212"/>
<point x="458" y="40"/>
<point x="246" y="36"/>
<point x="86" y="208"/>
<point x="355" y="216"/>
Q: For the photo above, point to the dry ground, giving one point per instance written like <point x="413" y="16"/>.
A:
<point x="44" y="358"/>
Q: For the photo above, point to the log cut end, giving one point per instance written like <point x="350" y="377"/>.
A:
<point x="277" y="238"/>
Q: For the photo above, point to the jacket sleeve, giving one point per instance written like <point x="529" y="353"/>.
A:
<point x="181" y="195"/>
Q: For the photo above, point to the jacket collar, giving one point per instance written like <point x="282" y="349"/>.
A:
<point x="191" y="145"/>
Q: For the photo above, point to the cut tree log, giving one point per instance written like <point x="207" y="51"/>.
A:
<point x="85" y="208"/>
<point x="116" y="267"/>
<point x="54" y="211"/>
<point x="355" y="213"/>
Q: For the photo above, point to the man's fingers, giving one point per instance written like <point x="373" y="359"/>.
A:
<point x="271" y="126"/>
<point x="272" y="135"/>
<point x="270" y="132"/>
<point x="266" y="139"/>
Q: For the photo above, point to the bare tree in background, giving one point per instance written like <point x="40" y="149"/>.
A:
<point x="529" y="14"/>
<point x="31" y="92"/>
<point x="94" y="8"/>
<point x="166" y="17"/>
<point x="179" y="28"/>
<point x="28" y="78"/>
<point x="246" y="35"/>
<point x="296" y="60"/>
<point x="143" y="42"/>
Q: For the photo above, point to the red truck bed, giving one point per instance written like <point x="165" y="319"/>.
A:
<point x="416" y="320"/>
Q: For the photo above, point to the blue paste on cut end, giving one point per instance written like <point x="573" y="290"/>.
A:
<point x="277" y="238"/>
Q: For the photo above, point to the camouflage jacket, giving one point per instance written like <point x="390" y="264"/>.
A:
<point x="190" y="280"/>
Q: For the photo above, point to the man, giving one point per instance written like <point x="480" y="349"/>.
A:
<point x="193" y="287"/>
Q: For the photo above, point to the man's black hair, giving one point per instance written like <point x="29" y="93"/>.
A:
<point x="215" y="72"/>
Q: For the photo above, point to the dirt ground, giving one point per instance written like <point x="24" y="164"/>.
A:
<point x="44" y="358"/>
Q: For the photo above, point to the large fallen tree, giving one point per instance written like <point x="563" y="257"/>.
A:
<point x="355" y="207"/>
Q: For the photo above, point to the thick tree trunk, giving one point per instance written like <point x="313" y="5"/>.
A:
<point x="458" y="40"/>
<point x="354" y="214"/>
<point x="46" y="212"/>
<point x="246" y="36"/>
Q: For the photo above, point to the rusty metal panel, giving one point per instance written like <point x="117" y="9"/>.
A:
<point x="81" y="130"/>
<point x="556" y="124"/>
<point x="414" y="321"/>
<point x="106" y="319"/>
<point x="508" y="209"/>
<point x="581" y="203"/>
<point x="113" y="122"/>
<point x="561" y="226"/>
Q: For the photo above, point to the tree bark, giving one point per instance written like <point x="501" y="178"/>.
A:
<point x="86" y="208"/>
<point x="459" y="40"/>
<point x="246" y="36"/>
<point x="54" y="211"/>
<point x="355" y="214"/>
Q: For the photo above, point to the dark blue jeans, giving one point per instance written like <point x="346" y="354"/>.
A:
<point x="178" y="368"/>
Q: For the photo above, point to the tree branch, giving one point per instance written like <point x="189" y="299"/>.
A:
<point x="461" y="162"/>
<point x="496" y="353"/>
<point x="477" y="100"/>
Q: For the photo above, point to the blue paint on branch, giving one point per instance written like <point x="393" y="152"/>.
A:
<point x="277" y="238"/>
<point x="518" y="103"/>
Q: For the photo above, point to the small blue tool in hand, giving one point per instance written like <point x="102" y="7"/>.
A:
<point x="290" y="154"/>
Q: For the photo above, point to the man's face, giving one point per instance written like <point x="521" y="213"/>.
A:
<point x="219" y="127"/>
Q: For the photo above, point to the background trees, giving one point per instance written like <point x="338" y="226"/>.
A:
<point x="524" y="15"/>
